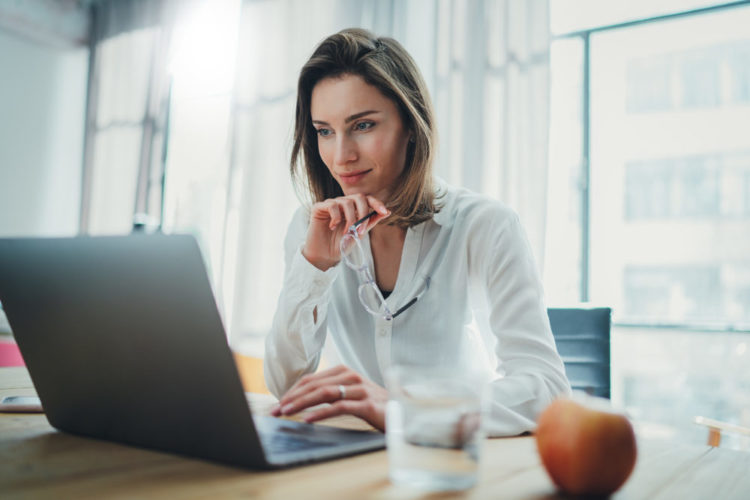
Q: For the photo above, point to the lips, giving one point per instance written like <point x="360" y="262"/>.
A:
<point x="353" y="177"/>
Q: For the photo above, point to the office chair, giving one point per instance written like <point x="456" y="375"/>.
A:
<point x="582" y="338"/>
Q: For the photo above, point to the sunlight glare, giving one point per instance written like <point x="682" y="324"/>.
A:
<point x="204" y="49"/>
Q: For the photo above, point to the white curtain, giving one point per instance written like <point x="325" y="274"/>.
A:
<point x="487" y="65"/>
<point x="276" y="38"/>
<point x="491" y="91"/>
<point x="127" y="103"/>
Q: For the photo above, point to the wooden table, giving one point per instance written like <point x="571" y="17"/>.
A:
<point x="38" y="462"/>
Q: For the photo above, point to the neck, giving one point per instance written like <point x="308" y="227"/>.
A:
<point x="383" y="233"/>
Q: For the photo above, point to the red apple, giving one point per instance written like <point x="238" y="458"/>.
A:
<point x="586" y="450"/>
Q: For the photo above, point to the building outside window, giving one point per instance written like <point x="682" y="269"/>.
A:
<point x="650" y="150"/>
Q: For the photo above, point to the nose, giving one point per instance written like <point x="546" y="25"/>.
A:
<point x="346" y="150"/>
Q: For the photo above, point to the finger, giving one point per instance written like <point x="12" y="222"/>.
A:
<point x="321" y="209"/>
<point x="314" y="378"/>
<point x="312" y="381"/>
<point x="372" y="222"/>
<point x="343" y="407"/>
<point x="364" y="409"/>
<point x="307" y="387"/>
<point x="303" y="393"/>
<point x="334" y="370"/>
<point x="381" y="212"/>
<point x="378" y="206"/>
<point x="334" y="211"/>
<point x="349" y="210"/>
<point x="326" y="394"/>
<point x="363" y="206"/>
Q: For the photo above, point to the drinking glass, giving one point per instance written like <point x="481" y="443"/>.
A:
<point x="434" y="429"/>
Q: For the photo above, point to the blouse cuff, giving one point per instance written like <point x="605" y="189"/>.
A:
<point x="310" y="288"/>
<point x="304" y="277"/>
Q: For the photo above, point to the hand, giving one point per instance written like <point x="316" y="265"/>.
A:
<point x="331" y="219"/>
<point x="363" y="398"/>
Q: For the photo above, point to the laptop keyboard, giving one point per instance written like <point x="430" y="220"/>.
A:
<point x="284" y="436"/>
<point x="285" y="443"/>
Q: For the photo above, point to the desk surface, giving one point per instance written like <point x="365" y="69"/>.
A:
<point x="38" y="462"/>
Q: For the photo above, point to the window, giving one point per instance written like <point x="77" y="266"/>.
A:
<point x="655" y="220"/>
<point x="649" y="85"/>
<point x="666" y="143"/>
<point x="739" y="67"/>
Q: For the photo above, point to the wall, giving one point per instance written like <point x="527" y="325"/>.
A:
<point x="42" y="110"/>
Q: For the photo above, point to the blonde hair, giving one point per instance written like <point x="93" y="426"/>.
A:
<point x="383" y="63"/>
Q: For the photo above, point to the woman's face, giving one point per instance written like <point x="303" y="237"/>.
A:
<point x="361" y="136"/>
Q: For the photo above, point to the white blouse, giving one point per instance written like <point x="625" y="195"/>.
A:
<point x="484" y="308"/>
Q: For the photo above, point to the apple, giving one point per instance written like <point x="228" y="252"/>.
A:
<point x="587" y="448"/>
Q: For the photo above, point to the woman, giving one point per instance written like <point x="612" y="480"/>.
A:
<point x="363" y="146"/>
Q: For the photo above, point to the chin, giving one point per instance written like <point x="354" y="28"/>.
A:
<point x="353" y="190"/>
<point x="365" y="188"/>
<point x="359" y="188"/>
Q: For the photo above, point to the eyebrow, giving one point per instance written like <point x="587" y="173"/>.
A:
<point x="350" y="118"/>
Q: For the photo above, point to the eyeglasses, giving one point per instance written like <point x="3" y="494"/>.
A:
<point x="369" y="294"/>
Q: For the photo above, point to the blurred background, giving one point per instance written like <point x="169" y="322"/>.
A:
<point x="618" y="130"/>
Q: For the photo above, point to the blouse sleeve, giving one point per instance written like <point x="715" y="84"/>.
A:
<point x="530" y="372"/>
<point x="294" y="344"/>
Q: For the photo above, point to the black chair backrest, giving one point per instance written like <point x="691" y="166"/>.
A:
<point x="582" y="338"/>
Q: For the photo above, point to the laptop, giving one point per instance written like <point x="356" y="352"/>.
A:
<point x="123" y="341"/>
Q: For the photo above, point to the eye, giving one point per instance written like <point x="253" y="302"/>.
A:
<point x="361" y="126"/>
<point x="324" y="132"/>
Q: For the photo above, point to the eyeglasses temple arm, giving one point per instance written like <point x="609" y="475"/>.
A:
<point x="414" y="300"/>
<point x="360" y="221"/>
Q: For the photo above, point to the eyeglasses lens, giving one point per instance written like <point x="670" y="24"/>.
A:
<point x="352" y="252"/>
<point x="370" y="298"/>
